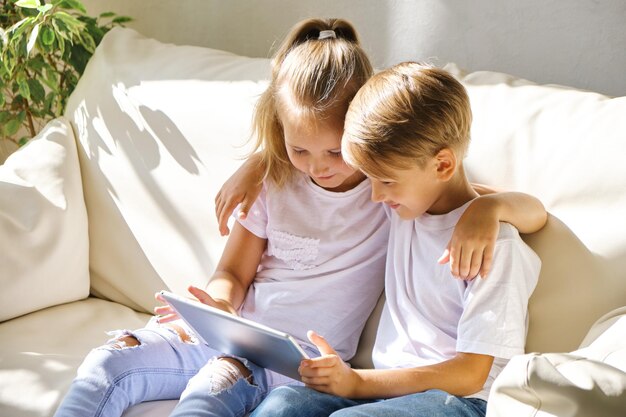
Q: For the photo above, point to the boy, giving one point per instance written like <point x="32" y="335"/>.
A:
<point x="441" y="342"/>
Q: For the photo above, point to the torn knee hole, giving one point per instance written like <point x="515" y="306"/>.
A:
<point x="124" y="342"/>
<point x="225" y="372"/>
<point x="244" y="372"/>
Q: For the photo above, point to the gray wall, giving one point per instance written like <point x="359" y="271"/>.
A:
<point x="580" y="43"/>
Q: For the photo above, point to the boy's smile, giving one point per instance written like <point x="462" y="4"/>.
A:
<point x="410" y="192"/>
<point x="437" y="188"/>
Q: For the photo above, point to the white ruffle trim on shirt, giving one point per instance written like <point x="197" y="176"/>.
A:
<point x="297" y="251"/>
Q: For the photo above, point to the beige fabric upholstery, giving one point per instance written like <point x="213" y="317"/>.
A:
<point x="590" y="381"/>
<point x="40" y="352"/>
<point x="159" y="127"/>
<point x="566" y="147"/>
<point x="43" y="225"/>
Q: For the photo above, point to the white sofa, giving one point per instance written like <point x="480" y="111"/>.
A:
<point x="114" y="202"/>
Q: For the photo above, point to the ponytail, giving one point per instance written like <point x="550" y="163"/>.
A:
<point x="321" y="66"/>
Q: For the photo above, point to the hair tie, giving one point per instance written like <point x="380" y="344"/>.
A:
<point x="325" y="34"/>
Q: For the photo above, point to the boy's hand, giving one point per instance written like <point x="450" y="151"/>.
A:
<point x="327" y="373"/>
<point x="242" y="187"/>
<point x="470" y="250"/>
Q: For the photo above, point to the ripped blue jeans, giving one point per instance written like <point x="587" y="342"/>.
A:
<point x="163" y="366"/>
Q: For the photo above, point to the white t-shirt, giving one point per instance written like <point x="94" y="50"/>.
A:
<point x="429" y="315"/>
<point x="324" y="265"/>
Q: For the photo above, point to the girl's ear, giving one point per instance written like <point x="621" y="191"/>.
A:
<point x="445" y="162"/>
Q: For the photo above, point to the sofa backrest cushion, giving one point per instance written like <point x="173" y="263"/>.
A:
<point x="159" y="128"/>
<point x="43" y="225"/>
<point x="568" y="148"/>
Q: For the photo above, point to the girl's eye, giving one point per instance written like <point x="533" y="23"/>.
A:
<point x="336" y="154"/>
<point x="299" y="151"/>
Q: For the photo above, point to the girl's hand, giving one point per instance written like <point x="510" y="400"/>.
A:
<point x="166" y="313"/>
<point x="470" y="250"/>
<point x="327" y="373"/>
<point x="242" y="187"/>
<point x="205" y="298"/>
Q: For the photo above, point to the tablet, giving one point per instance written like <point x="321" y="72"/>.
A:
<point x="234" y="335"/>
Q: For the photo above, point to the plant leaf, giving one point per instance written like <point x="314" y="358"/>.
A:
<point x="4" y="39"/>
<point x="73" y="24"/>
<point x="4" y="116"/>
<point x="36" y="63"/>
<point x="11" y="127"/>
<point x="32" y="39"/>
<point x="47" y="36"/>
<point x="49" y="102"/>
<point x="88" y="42"/>
<point x="44" y="9"/>
<point x="37" y="92"/>
<point x="122" y="19"/>
<point x="28" y="4"/>
<point x="20" y="26"/>
<point x="24" y="89"/>
<point x="72" y="4"/>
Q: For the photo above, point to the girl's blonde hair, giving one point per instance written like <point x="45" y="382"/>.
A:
<point x="405" y="115"/>
<point x="313" y="76"/>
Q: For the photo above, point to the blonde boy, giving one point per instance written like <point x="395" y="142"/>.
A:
<point x="441" y="341"/>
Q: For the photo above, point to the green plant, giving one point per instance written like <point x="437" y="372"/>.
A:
<point x="45" y="46"/>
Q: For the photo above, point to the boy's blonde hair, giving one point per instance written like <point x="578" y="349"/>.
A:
<point x="313" y="76"/>
<point x="405" y="115"/>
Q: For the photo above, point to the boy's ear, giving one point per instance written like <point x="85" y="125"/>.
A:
<point x="445" y="161"/>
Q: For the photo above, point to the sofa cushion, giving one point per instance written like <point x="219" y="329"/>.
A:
<point x="41" y="351"/>
<point x="159" y="127"/>
<point x="588" y="382"/>
<point x="43" y="225"/>
<point x="566" y="147"/>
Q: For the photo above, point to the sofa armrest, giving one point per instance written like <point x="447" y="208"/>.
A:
<point x="44" y="250"/>
<point x="590" y="381"/>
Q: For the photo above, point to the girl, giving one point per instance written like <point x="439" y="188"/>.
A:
<point x="311" y="254"/>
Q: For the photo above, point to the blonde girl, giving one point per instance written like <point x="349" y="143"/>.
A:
<point x="311" y="255"/>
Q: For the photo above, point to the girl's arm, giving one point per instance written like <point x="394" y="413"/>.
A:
<point x="237" y="266"/>
<point x="470" y="250"/>
<point x="235" y="271"/>
<point x="465" y="374"/>
<point x="242" y="187"/>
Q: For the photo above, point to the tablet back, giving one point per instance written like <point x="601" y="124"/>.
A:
<point x="240" y="337"/>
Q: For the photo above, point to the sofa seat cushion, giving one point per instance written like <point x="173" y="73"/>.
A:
<point x="41" y="351"/>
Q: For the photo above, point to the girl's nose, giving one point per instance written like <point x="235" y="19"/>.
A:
<point x="318" y="168"/>
<point x="377" y="195"/>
